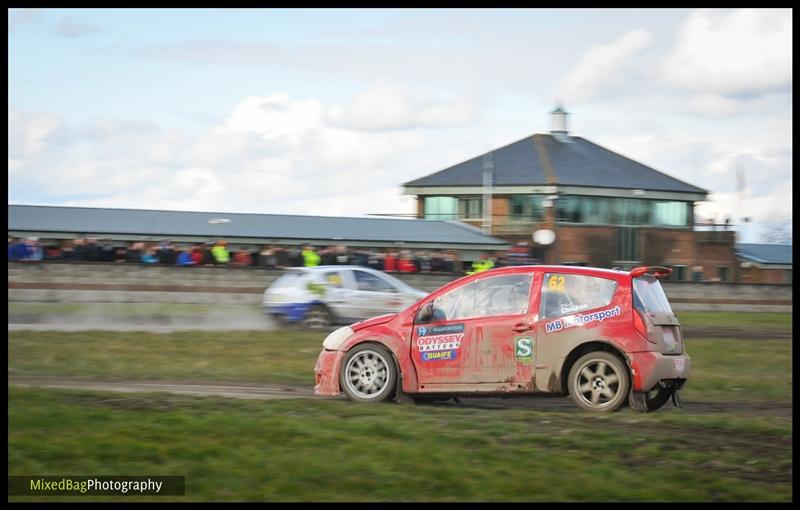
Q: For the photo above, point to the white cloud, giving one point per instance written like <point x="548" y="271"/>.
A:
<point x="27" y="133"/>
<point x="17" y="17"/>
<point x="602" y="67"/>
<point x="714" y="105"/>
<point x="759" y="209"/>
<point x="271" y="154"/>
<point x="274" y="116"/>
<point x="388" y="106"/>
<point x="732" y="52"/>
<point x="72" y="30"/>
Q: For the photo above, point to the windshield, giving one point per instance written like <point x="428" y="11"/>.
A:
<point x="397" y="283"/>
<point x="648" y="296"/>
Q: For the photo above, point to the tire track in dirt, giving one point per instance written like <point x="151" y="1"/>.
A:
<point x="278" y="391"/>
<point x="260" y="392"/>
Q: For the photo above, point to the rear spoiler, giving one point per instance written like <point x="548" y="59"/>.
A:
<point x="656" y="271"/>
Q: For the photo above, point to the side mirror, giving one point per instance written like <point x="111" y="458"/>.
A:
<point x="424" y="314"/>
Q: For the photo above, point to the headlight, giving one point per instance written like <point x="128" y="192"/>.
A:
<point x="336" y="339"/>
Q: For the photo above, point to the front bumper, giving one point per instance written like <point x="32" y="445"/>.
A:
<point x="326" y="372"/>
<point x="648" y="368"/>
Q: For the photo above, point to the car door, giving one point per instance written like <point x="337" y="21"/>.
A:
<point x="335" y="295"/>
<point x="481" y="336"/>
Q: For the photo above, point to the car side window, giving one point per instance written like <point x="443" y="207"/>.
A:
<point x="564" y="294"/>
<point x="370" y="282"/>
<point x="485" y="297"/>
<point x="334" y="279"/>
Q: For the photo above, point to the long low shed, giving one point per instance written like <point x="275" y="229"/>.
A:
<point x="245" y="229"/>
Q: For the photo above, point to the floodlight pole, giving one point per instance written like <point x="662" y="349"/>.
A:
<point x="488" y="167"/>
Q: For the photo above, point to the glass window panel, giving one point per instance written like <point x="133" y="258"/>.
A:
<point x="441" y="208"/>
<point x="526" y="208"/>
<point x="486" y="297"/>
<point x="564" y="294"/>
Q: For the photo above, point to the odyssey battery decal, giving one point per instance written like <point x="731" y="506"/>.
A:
<point x="440" y="343"/>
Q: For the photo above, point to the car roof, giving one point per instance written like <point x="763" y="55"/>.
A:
<point x="331" y="267"/>
<point x="577" y="270"/>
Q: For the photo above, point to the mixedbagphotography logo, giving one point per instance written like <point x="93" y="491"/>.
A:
<point x="47" y="485"/>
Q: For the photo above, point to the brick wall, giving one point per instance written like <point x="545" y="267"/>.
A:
<point x="755" y="274"/>
<point x="585" y="244"/>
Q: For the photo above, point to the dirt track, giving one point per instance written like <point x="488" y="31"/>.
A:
<point x="275" y="391"/>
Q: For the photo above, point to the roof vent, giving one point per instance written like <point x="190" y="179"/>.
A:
<point x="558" y="119"/>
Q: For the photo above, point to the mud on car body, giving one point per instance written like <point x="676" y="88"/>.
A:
<point x="603" y="337"/>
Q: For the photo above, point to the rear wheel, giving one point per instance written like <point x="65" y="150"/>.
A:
<point x="599" y="382"/>
<point x="317" y="317"/>
<point x="368" y="374"/>
<point x="656" y="398"/>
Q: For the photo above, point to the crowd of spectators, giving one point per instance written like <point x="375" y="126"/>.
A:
<point x="218" y="253"/>
<point x="92" y="249"/>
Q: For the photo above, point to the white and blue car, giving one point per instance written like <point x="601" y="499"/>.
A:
<point x="318" y="297"/>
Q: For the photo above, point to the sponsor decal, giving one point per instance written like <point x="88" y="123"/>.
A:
<point x="679" y="364"/>
<point x="439" y="355"/>
<point x="523" y="349"/>
<point x="573" y="308"/>
<point x="581" y="319"/>
<point x="438" y="330"/>
<point x="435" y="346"/>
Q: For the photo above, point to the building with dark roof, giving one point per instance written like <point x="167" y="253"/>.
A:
<point x="127" y="225"/>
<point x="604" y="208"/>
<point x="765" y="263"/>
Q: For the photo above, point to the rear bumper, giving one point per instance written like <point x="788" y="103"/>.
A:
<point x="326" y="372"/>
<point x="648" y="368"/>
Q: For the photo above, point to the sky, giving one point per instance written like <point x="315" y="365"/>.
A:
<point x="329" y="111"/>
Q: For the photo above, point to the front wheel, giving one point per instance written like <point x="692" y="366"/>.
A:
<point x="368" y="374"/>
<point x="599" y="382"/>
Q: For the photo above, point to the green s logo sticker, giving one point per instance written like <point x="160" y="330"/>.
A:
<point x="523" y="349"/>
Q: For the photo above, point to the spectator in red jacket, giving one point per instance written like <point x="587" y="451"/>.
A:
<point x="197" y="255"/>
<point x="390" y="262"/>
<point x="406" y="263"/>
<point x="243" y="257"/>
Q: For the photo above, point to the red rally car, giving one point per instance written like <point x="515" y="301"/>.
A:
<point x="603" y="337"/>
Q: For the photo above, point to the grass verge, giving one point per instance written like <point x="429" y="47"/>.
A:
<point x="741" y="320"/>
<point x="237" y="450"/>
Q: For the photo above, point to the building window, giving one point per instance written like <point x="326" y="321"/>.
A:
<point x="722" y="273"/>
<point x="678" y="273"/>
<point x="526" y="208"/>
<point x="441" y="208"/>
<point x="670" y="214"/>
<point x="630" y="211"/>
<point x="470" y="208"/>
<point x="627" y="244"/>
<point x="621" y="211"/>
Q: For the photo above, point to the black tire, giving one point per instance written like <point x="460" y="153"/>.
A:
<point x="317" y="317"/>
<point x="368" y="374"/>
<point x="599" y="382"/>
<point x="656" y="398"/>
